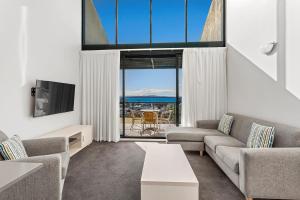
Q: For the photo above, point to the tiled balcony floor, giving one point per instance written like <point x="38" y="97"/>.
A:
<point x="137" y="131"/>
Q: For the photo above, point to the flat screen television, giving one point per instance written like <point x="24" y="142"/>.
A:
<point x="52" y="98"/>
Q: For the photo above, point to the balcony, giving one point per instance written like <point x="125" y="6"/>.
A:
<point x="144" y="119"/>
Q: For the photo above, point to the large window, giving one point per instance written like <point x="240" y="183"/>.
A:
<point x="110" y="24"/>
<point x="150" y="92"/>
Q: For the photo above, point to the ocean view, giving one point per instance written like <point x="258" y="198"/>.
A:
<point x="149" y="99"/>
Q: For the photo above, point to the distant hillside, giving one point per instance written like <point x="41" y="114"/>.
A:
<point x="150" y="99"/>
<point x="150" y="96"/>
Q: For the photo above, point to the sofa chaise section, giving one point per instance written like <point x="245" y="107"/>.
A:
<point x="192" y="139"/>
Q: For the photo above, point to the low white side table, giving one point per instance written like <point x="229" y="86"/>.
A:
<point x="79" y="136"/>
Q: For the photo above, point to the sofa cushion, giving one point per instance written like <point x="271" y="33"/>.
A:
<point x="214" y="141"/>
<point x="190" y="134"/>
<point x="285" y="136"/>
<point x="230" y="156"/>
<point x="3" y="136"/>
<point x="65" y="158"/>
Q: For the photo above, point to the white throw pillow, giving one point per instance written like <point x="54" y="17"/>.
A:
<point x="225" y="124"/>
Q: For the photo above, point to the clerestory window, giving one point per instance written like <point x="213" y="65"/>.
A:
<point x="119" y="24"/>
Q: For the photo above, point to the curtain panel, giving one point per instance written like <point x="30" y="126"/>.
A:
<point x="204" y="85"/>
<point x="100" y="102"/>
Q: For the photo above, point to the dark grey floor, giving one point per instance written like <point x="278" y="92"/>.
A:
<point x="112" y="171"/>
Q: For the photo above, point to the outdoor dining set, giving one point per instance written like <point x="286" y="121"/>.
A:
<point x="150" y="120"/>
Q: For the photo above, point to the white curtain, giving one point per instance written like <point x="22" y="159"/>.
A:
<point x="204" y="89"/>
<point x="100" y="82"/>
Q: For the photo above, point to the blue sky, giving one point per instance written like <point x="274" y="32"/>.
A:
<point x="143" y="82"/>
<point x="168" y="26"/>
<point x="167" y="17"/>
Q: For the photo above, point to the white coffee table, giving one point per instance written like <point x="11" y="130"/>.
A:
<point x="167" y="174"/>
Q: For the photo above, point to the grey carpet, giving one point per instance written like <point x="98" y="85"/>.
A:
<point x="112" y="171"/>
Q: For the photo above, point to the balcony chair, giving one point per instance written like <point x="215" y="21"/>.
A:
<point x="136" y="116"/>
<point x="150" y="118"/>
<point x="165" y="117"/>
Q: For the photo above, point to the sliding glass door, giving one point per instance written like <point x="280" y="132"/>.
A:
<point x="150" y="96"/>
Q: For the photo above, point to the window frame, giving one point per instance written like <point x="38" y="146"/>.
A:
<point x="156" y="53"/>
<point x="184" y="44"/>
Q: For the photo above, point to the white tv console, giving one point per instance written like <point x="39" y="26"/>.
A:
<point x="79" y="136"/>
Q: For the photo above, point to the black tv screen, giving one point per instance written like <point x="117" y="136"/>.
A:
<point x="52" y="97"/>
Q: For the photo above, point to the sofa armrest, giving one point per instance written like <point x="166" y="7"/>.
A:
<point x="44" y="183"/>
<point x="270" y="173"/>
<point x="208" y="124"/>
<point x="45" y="146"/>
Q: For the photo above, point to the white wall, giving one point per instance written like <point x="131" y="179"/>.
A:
<point x="252" y="24"/>
<point x="292" y="47"/>
<point x="39" y="39"/>
<point x="263" y="86"/>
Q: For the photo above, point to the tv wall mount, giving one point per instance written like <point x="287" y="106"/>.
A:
<point x="33" y="91"/>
